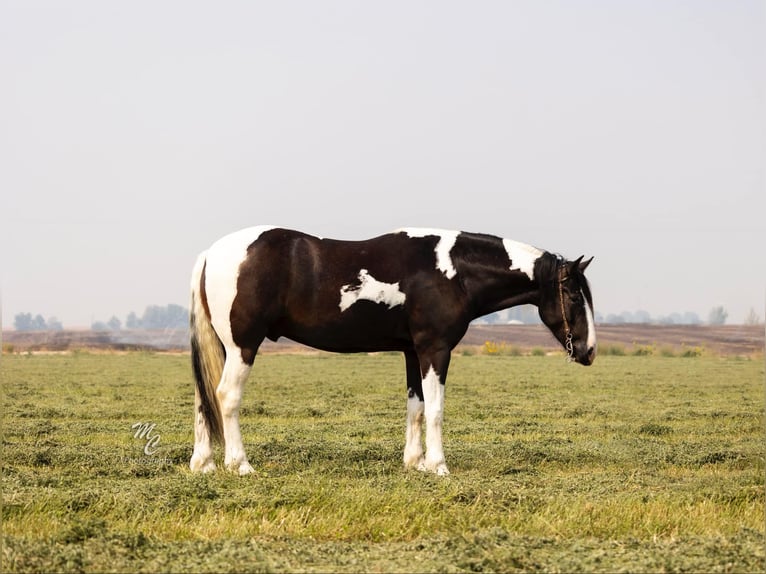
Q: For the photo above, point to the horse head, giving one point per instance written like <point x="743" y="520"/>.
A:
<point x="566" y="307"/>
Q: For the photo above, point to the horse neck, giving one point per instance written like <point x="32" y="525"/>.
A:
<point x="492" y="286"/>
<point x="506" y="289"/>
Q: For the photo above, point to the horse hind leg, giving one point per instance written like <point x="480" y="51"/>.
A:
<point x="229" y="394"/>
<point x="202" y="457"/>
<point x="413" y="448"/>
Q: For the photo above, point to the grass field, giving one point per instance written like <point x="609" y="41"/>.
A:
<point x="638" y="463"/>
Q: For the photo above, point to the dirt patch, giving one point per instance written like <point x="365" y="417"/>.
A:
<point x="722" y="339"/>
<point x="36" y="341"/>
<point x="719" y="339"/>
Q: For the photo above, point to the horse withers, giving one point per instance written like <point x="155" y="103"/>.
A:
<point x="413" y="290"/>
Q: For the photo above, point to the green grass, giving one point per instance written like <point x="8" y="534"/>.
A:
<point x="638" y="463"/>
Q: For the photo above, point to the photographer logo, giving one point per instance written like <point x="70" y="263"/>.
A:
<point x="145" y="431"/>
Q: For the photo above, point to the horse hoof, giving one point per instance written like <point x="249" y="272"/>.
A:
<point x="197" y="464"/>
<point x="241" y="467"/>
<point x="439" y="469"/>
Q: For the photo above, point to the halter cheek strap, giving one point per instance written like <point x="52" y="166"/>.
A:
<point x="568" y="345"/>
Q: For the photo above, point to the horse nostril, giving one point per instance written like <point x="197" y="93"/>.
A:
<point x="591" y="352"/>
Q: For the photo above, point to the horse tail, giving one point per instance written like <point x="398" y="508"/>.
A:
<point x="207" y="353"/>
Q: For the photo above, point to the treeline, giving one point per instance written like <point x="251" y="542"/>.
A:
<point x="528" y="315"/>
<point x="154" y="317"/>
<point x="26" y="322"/>
<point x="716" y="316"/>
<point x="177" y="317"/>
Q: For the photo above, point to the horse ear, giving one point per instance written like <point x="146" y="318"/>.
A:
<point x="584" y="264"/>
<point x="573" y="265"/>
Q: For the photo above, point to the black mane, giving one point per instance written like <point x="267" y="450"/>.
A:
<point x="547" y="267"/>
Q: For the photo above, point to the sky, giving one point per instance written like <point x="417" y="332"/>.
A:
<point x="133" y="134"/>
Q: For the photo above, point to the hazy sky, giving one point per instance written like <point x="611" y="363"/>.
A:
<point x="135" y="133"/>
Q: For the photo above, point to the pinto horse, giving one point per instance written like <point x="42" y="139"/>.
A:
<point x="413" y="290"/>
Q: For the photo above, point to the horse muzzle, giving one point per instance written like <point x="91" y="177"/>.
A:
<point x="584" y="354"/>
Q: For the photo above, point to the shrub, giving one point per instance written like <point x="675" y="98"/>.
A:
<point x="492" y="348"/>
<point x="616" y="350"/>
<point x="691" y="352"/>
<point x="643" y="350"/>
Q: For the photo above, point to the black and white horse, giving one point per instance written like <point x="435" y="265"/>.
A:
<point x="413" y="290"/>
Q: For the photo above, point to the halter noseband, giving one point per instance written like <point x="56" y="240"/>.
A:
<point x="567" y="331"/>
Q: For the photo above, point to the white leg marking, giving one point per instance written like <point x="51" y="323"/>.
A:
<point x="370" y="289"/>
<point x="433" y="393"/>
<point x="202" y="457"/>
<point x="413" y="447"/>
<point x="229" y="394"/>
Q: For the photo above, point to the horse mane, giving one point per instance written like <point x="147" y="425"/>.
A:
<point x="547" y="267"/>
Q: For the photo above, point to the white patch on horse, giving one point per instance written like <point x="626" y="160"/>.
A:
<point x="433" y="395"/>
<point x="224" y="259"/>
<point x="229" y="394"/>
<point x="522" y="256"/>
<point x="591" y="323"/>
<point x="447" y="239"/>
<point x="370" y="289"/>
<point x="413" y="447"/>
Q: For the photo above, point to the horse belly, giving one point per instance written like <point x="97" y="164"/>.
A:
<point x="374" y="329"/>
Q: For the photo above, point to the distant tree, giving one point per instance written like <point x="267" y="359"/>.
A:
<point x="668" y="319"/>
<point x="99" y="326"/>
<point x="23" y="322"/>
<point x="168" y="317"/>
<point x="527" y="314"/>
<point x="153" y="318"/>
<point x="178" y="317"/>
<point x="26" y="322"/>
<point x="642" y="317"/>
<point x="717" y="316"/>
<point x="114" y="324"/>
<point x="599" y="318"/>
<point x="691" y="318"/>
<point x="132" y="321"/>
<point x="627" y="317"/>
<point x="752" y="318"/>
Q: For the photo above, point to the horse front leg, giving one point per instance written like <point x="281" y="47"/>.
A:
<point x="433" y="368"/>
<point x="229" y="394"/>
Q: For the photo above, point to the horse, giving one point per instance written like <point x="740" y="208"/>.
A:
<point x="413" y="291"/>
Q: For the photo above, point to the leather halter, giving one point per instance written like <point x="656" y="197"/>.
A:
<point x="568" y="345"/>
